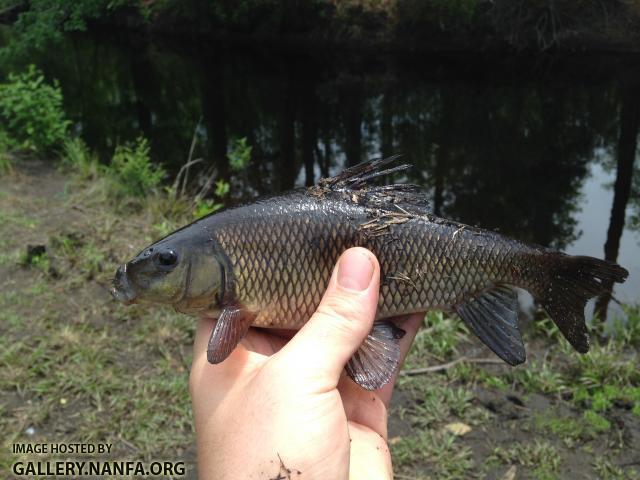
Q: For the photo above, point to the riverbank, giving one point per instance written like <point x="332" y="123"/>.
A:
<point x="79" y="367"/>
<point x="385" y="26"/>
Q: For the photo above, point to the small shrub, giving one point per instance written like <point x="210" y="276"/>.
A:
<point x="80" y="160"/>
<point x="131" y="171"/>
<point x="222" y="188"/>
<point x="5" y="158"/>
<point x="31" y="112"/>
<point x="206" y="206"/>
<point x="240" y="154"/>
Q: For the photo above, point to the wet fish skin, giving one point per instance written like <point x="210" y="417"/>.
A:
<point x="267" y="264"/>
<point x="282" y="252"/>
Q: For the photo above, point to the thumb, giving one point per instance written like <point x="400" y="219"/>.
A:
<point x="320" y="350"/>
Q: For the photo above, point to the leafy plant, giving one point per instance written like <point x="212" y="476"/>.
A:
<point x="42" y="23"/>
<point x="445" y="456"/>
<point x="31" y="112"/>
<point x="570" y="430"/>
<point x="77" y="156"/>
<point x="539" y="377"/>
<point x="240" y="154"/>
<point x="607" y="470"/>
<point x="38" y="260"/>
<point x="545" y="328"/>
<point x="626" y="330"/>
<point x="222" y="188"/>
<point x="5" y="158"/>
<point x="597" y="422"/>
<point x="540" y="456"/>
<point x="131" y="171"/>
<point x="205" y="207"/>
<point x="440" y="338"/>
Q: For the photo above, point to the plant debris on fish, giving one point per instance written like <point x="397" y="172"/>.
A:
<point x="267" y="264"/>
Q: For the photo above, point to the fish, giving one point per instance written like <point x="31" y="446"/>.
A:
<point x="267" y="263"/>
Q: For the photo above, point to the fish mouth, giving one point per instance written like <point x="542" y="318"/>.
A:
<point x="122" y="289"/>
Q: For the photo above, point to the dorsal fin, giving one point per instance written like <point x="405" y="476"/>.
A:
<point x="355" y="184"/>
<point x="358" y="176"/>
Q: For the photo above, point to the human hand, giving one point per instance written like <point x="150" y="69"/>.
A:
<point x="281" y="407"/>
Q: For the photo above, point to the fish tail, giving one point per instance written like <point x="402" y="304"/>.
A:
<point x="570" y="281"/>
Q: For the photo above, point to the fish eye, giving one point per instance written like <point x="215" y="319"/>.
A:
<point x="167" y="258"/>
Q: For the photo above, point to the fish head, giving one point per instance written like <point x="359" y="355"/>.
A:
<point x="181" y="270"/>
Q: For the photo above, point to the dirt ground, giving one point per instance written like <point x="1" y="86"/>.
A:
<point x="77" y="367"/>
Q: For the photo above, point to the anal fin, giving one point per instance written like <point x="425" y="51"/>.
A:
<point x="232" y="325"/>
<point x="377" y="359"/>
<point x="493" y="317"/>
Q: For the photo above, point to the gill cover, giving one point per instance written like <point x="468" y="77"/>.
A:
<point x="182" y="270"/>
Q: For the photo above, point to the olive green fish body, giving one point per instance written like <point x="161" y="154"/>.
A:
<point x="268" y="263"/>
<point x="281" y="253"/>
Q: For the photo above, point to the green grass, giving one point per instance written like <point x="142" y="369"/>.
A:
<point x="626" y="331"/>
<point x="540" y="458"/>
<point x="122" y="382"/>
<point x="77" y="158"/>
<point x="76" y="366"/>
<point x="441" y="454"/>
<point x="438" y="340"/>
<point x="607" y="470"/>
<point x="572" y="430"/>
<point x="22" y="221"/>
<point x="576" y="425"/>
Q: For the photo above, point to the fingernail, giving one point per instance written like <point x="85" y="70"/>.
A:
<point x="355" y="270"/>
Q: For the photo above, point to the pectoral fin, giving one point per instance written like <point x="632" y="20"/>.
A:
<point x="493" y="317"/>
<point x="232" y="325"/>
<point x="377" y="359"/>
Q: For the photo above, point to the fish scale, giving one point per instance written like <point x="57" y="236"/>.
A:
<point x="267" y="264"/>
<point x="283" y="277"/>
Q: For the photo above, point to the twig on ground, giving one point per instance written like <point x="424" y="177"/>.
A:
<point x="447" y="366"/>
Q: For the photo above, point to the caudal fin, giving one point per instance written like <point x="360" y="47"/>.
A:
<point x="571" y="282"/>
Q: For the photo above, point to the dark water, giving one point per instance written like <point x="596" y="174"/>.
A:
<point x="531" y="147"/>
